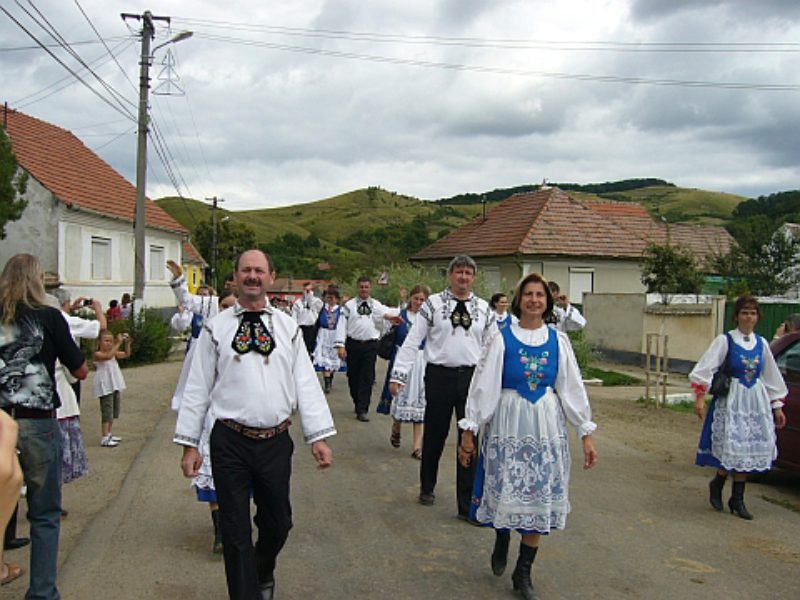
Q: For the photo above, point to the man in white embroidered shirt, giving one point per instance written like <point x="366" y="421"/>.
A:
<point x="452" y="323"/>
<point x="252" y="366"/>
<point x="568" y="318"/>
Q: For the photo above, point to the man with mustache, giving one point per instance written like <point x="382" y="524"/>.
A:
<point x="252" y="368"/>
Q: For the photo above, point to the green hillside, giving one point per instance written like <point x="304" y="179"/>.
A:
<point x="370" y="228"/>
<point x="678" y="204"/>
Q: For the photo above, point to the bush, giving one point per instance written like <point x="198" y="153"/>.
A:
<point x="150" y="335"/>
<point x="584" y="353"/>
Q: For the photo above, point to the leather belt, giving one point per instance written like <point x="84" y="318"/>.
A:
<point x="21" y="412"/>
<point x="256" y="433"/>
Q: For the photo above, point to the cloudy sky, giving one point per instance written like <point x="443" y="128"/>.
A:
<point x="289" y="102"/>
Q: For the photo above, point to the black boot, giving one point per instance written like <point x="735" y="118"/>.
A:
<point x="715" y="490"/>
<point x="521" y="577"/>
<point x="217" y="548"/>
<point x="500" y="552"/>
<point x="736" y="502"/>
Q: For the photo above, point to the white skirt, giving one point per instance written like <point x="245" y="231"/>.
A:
<point x="743" y="430"/>
<point x="524" y="466"/>
<point x="409" y="405"/>
<point x="326" y="356"/>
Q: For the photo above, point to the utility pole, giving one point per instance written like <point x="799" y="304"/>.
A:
<point x="214" y="241"/>
<point x="140" y="222"/>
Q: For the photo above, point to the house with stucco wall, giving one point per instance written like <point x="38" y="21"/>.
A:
<point x="585" y="246"/>
<point x="80" y="214"/>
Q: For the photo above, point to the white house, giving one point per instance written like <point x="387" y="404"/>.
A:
<point x="79" y="218"/>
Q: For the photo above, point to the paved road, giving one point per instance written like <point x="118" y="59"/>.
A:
<point x="641" y="527"/>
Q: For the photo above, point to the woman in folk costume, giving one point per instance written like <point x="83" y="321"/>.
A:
<point x="738" y="434"/>
<point x="326" y="355"/>
<point x="409" y="404"/>
<point x="526" y="387"/>
<point x="202" y="306"/>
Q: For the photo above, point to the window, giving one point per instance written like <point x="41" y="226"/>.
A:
<point x="581" y="280"/>
<point x="157" y="261"/>
<point x="194" y="277"/>
<point x="101" y="258"/>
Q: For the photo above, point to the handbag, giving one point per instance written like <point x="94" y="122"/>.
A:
<point x="386" y="344"/>
<point x="721" y="382"/>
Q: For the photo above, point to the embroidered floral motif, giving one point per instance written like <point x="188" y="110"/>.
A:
<point x="750" y="365"/>
<point x="534" y="367"/>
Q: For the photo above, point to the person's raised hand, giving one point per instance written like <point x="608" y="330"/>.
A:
<point x="174" y="268"/>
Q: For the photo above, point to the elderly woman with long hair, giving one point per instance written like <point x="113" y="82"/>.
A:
<point x="526" y="387"/>
<point x="738" y="434"/>
<point x="33" y="335"/>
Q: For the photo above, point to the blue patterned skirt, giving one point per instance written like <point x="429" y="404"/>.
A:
<point x="74" y="462"/>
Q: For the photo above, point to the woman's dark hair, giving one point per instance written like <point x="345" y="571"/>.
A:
<point x="495" y="299"/>
<point x="743" y="302"/>
<point x="332" y="290"/>
<point x="532" y="278"/>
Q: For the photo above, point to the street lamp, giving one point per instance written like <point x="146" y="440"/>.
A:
<point x="140" y="223"/>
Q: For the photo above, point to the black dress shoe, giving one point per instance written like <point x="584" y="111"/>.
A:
<point x="17" y="542"/>
<point x="426" y="499"/>
<point x="362" y="417"/>
<point x="268" y="590"/>
<point x="466" y="519"/>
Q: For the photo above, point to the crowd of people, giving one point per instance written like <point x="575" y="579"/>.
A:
<point x="504" y="368"/>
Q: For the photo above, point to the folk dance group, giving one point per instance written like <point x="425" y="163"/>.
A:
<point x="252" y="367"/>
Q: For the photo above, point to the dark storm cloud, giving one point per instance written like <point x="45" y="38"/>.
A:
<point x="649" y="10"/>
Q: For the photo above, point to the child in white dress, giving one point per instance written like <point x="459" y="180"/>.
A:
<point x="108" y="381"/>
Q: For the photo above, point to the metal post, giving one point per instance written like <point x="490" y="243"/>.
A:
<point x="140" y="223"/>
<point x="214" y="238"/>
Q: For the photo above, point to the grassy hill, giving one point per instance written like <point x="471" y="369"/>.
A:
<point x="372" y="227"/>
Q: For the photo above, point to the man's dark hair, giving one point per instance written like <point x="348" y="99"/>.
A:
<point x="363" y="279"/>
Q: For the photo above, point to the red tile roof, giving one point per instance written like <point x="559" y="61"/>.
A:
<point x="75" y="175"/>
<point x="549" y="222"/>
<point x="190" y="254"/>
<point x="543" y="222"/>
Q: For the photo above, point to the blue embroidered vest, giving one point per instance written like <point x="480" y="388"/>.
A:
<point x="197" y="325"/>
<point x="505" y="322"/>
<point x="745" y="365"/>
<point x="329" y="323"/>
<point x="529" y="370"/>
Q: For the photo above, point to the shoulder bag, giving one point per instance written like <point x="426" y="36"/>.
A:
<point x="721" y="382"/>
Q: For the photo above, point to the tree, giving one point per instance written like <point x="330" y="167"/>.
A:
<point x="12" y="185"/>
<point x="669" y="270"/>
<point x="766" y="265"/>
<point x="231" y="241"/>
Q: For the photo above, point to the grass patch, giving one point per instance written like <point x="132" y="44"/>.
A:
<point x="681" y="407"/>
<point x="611" y="378"/>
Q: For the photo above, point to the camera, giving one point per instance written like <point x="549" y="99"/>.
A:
<point x="87" y="301"/>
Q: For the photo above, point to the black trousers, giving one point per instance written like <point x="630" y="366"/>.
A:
<point x="445" y="391"/>
<point x="361" y="358"/>
<point x="262" y="467"/>
<point x="309" y="337"/>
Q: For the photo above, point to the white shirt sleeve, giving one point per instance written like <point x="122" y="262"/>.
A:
<point x="181" y="321"/>
<point x="199" y="305"/>
<point x="710" y="362"/>
<point x="315" y="414"/>
<point x="487" y="379"/>
<point x="197" y="393"/>
<point x="570" y="389"/>
<point x="83" y="328"/>
<point x="772" y="378"/>
<point x="341" y="326"/>
<point x="573" y="319"/>
<point x="407" y="354"/>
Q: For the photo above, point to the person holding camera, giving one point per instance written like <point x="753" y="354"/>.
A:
<point x="738" y="434"/>
<point x="108" y="381"/>
<point x="567" y="317"/>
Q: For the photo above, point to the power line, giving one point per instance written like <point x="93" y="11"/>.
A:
<point x="115" y="38"/>
<point x="501" y="43"/>
<point x="108" y="50"/>
<point x="68" y="80"/>
<point x="67" y="67"/>
<point x="53" y="32"/>
<point x="728" y="85"/>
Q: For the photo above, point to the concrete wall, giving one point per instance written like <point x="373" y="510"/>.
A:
<point x="618" y="326"/>
<point x="34" y="232"/>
